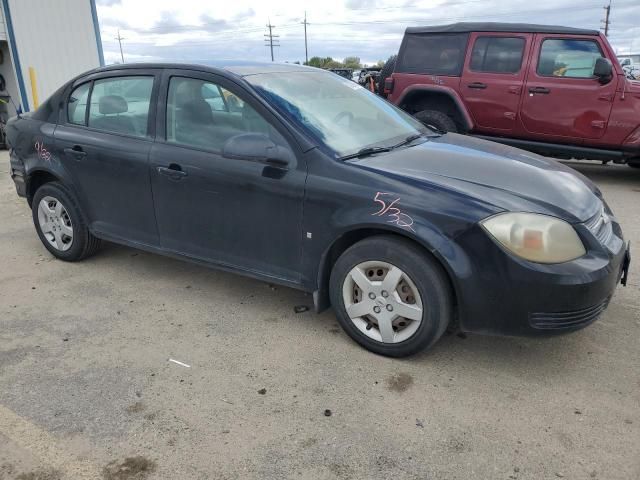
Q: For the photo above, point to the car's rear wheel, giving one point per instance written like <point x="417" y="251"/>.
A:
<point x="438" y="121"/>
<point x="390" y="296"/>
<point x="60" y="225"/>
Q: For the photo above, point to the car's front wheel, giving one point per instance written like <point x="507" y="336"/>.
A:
<point x="60" y="225"/>
<point x="390" y="296"/>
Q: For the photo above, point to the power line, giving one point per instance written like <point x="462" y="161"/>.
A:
<point x="271" y="38"/>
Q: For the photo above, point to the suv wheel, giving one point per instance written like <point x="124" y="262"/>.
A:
<point x="634" y="163"/>
<point x="390" y="296"/>
<point x="59" y="224"/>
<point x="438" y="121"/>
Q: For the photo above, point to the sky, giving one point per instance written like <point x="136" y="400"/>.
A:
<point x="212" y="30"/>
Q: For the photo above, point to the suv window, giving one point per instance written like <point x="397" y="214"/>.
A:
<point x="568" y="58"/>
<point x="121" y="105"/>
<point x="77" y="107"/>
<point x="441" y="54"/>
<point x="202" y="114"/>
<point x="497" y="54"/>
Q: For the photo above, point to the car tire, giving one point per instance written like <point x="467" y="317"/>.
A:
<point x="438" y="121"/>
<point x="399" y="263"/>
<point x="60" y="225"/>
<point x="386" y="72"/>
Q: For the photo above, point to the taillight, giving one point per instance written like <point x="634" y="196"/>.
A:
<point x="388" y="85"/>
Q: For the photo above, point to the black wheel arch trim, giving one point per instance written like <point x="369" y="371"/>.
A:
<point x="411" y="90"/>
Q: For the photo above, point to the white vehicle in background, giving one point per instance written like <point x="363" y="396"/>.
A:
<point x="631" y="68"/>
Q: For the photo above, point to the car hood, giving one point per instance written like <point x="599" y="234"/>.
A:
<point x="508" y="178"/>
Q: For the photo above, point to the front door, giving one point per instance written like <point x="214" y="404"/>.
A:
<point x="492" y="79"/>
<point x="104" y="142"/>
<point x="562" y="97"/>
<point x="232" y="211"/>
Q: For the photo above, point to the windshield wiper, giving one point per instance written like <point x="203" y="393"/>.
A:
<point x="365" y="152"/>
<point x="409" y="139"/>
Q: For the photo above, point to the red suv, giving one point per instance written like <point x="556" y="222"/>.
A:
<point x="557" y="91"/>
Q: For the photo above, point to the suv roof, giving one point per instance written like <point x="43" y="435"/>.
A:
<point x="465" y="27"/>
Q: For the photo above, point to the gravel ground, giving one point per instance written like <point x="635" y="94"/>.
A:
<point x="87" y="390"/>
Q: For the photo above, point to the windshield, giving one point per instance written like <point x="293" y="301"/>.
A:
<point x="338" y="112"/>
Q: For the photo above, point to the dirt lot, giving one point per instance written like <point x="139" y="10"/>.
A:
<point x="87" y="391"/>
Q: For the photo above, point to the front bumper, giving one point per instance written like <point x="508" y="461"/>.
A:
<point x="507" y="296"/>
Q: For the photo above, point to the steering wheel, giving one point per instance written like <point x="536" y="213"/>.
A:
<point x="343" y="115"/>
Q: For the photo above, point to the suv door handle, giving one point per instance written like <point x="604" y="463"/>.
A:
<point x="539" y="90"/>
<point x="477" y="85"/>
<point x="173" y="171"/>
<point x="76" y="151"/>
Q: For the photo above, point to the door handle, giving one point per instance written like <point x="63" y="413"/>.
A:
<point x="76" y="151"/>
<point x="173" y="171"/>
<point x="477" y="85"/>
<point x="542" y="90"/>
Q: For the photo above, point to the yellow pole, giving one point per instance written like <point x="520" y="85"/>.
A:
<point x="34" y="88"/>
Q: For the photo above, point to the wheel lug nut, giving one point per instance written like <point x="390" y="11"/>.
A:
<point x="376" y="309"/>
<point x="372" y="295"/>
<point x="385" y="294"/>
<point x="390" y="307"/>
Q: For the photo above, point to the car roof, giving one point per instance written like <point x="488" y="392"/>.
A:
<point x="466" y="27"/>
<point x="239" y="68"/>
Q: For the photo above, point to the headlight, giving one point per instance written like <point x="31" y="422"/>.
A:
<point x="534" y="237"/>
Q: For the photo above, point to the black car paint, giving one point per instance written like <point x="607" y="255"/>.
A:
<point x="287" y="224"/>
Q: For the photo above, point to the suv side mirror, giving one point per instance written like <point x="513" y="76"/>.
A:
<point x="256" y="147"/>
<point x="603" y="70"/>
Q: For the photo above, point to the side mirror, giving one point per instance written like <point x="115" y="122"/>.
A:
<point x="256" y="147"/>
<point x="603" y="70"/>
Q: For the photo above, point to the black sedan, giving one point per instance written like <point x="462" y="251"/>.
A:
<point x="297" y="176"/>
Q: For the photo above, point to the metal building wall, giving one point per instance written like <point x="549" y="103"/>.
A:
<point x="58" y="39"/>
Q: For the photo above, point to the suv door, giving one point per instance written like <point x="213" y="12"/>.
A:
<point x="563" y="99"/>
<point x="103" y="139"/>
<point x="493" y="78"/>
<point x="231" y="211"/>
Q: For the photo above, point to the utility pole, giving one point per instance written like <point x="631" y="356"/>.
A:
<point x="306" y="51"/>
<point x="120" y="38"/>
<point x="607" y="12"/>
<point x="271" y="38"/>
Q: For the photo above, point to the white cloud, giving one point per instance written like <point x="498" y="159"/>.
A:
<point x="201" y="30"/>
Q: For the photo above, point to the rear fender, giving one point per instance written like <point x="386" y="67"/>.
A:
<point x="419" y="91"/>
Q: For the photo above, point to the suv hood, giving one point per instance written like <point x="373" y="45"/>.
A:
<point x="505" y="177"/>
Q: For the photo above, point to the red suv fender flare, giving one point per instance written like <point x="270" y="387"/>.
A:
<point x="448" y="91"/>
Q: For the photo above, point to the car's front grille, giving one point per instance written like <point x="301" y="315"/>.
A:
<point x="600" y="226"/>
<point x="571" y="319"/>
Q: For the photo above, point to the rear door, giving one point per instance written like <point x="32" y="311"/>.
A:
<point x="493" y="79"/>
<point x="234" y="212"/>
<point x="104" y="140"/>
<point x="562" y="98"/>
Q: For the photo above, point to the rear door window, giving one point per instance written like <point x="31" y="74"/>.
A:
<point x="568" y="57"/>
<point x="436" y="54"/>
<point x="497" y="54"/>
<point x="77" y="106"/>
<point x="121" y="105"/>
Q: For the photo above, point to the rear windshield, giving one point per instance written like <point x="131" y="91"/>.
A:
<point x="436" y="54"/>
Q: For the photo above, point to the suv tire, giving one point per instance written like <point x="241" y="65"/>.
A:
<point x="385" y="73"/>
<point x="369" y="309"/>
<point x="60" y="224"/>
<point x="436" y="120"/>
<point x="635" y="163"/>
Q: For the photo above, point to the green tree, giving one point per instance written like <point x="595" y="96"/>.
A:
<point x="380" y="63"/>
<point x="352" y="62"/>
